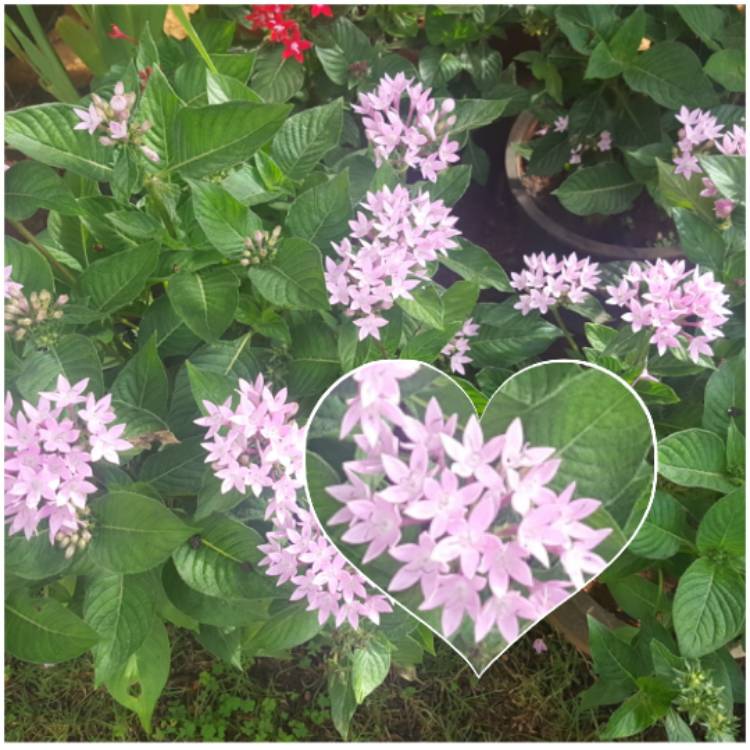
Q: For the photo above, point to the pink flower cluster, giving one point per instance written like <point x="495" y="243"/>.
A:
<point x="700" y="132"/>
<point x="458" y="347"/>
<point x="417" y="139"/>
<point x="471" y="521"/>
<point x="386" y="255"/>
<point x="49" y="449"/>
<point x="113" y="118"/>
<point x="547" y="281"/>
<point x="257" y="446"/>
<point x="681" y="305"/>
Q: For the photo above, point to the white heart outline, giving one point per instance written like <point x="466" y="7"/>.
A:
<point x="389" y="596"/>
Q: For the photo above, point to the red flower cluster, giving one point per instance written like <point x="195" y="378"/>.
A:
<point x="284" y="30"/>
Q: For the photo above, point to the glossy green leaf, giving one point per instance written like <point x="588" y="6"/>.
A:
<point x="204" y="301"/>
<point x="134" y="532"/>
<point x="695" y="458"/>
<point x="709" y="607"/>
<point x="120" y="609"/>
<point x="295" y="277"/>
<point x="44" y="631"/>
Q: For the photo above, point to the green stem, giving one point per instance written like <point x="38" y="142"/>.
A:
<point x="568" y="336"/>
<point x="183" y="18"/>
<point x="29" y="237"/>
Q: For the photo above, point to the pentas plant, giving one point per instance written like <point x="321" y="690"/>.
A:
<point x="33" y="317"/>
<point x="700" y="134"/>
<point x="256" y="445"/>
<point x="682" y="305"/>
<point x="547" y="281"/>
<point x="457" y="349"/>
<point x="487" y="525"/>
<point x="406" y="127"/>
<point x="387" y="253"/>
<point x="112" y="119"/>
<point x="50" y="447"/>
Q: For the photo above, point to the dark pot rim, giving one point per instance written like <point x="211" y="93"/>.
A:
<point x="523" y="126"/>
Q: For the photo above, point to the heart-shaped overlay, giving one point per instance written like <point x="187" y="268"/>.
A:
<point x="479" y="672"/>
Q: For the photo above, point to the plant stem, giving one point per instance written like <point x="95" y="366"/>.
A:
<point x="29" y="237"/>
<point x="568" y="336"/>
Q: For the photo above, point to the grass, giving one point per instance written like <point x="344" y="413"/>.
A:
<point x="524" y="696"/>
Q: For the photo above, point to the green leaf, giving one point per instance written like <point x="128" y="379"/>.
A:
<point x="605" y="188"/>
<point x="705" y="21"/>
<point x="224" y="220"/>
<point x="295" y="278"/>
<point x="288" y="626"/>
<point x="343" y="702"/>
<point x="220" y="559"/>
<point x="73" y="355"/>
<point x="638" y="597"/>
<point x="209" y="139"/>
<point x="142" y="382"/>
<point x="33" y="559"/>
<point x="30" y="186"/>
<point x="173" y="337"/>
<point x="321" y="214"/>
<point x="608" y="57"/>
<point x="476" y="113"/>
<point x="695" y="458"/>
<point x="725" y="392"/>
<point x="549" y="155"/>
<point x="345" y="45"/>
<point x="222" y="88"/>
<point x="426" y="306"/>
<point x="676" y="728"/>
<point x="451" y="184"/>
<point x="138" y="685"/>
<point x="315" y="360"/>
<point x="211" y="610"/>
<point x="727" y="173"/>
<point x="650" y="704"/>
<point x="672" y="75"/>
<point x="30" y="267"/>
<point x="44" y="631"/>
<point x="722" y="528"/>
<point x="45" y="133"/>
<point x="159" y="105"/>
<point x="113" y="282"/>
<point x="700" y="240"/>
<point x="224" y="643"/>
<point x="211" y="499"/>
<point x="735" y="451"/>
<point x="134" y="532"/>
<point x="204" y="301"/>
<point x="709" y="607"/>
<point x="506" y="337"/>
<point x="175" y="469"/>
<point x="475" y="264"/>
<point x="274" y="78"/>
<point x="615" y="661"/>
<point x="727" y="68"/>
<point x="370" y="666"/>
<point x="664" y="531"/>
<point x="120" y="609"/>
<point x="305" y="138"/>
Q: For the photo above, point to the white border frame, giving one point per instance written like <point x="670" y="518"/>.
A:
<point x="390" y="597"/>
